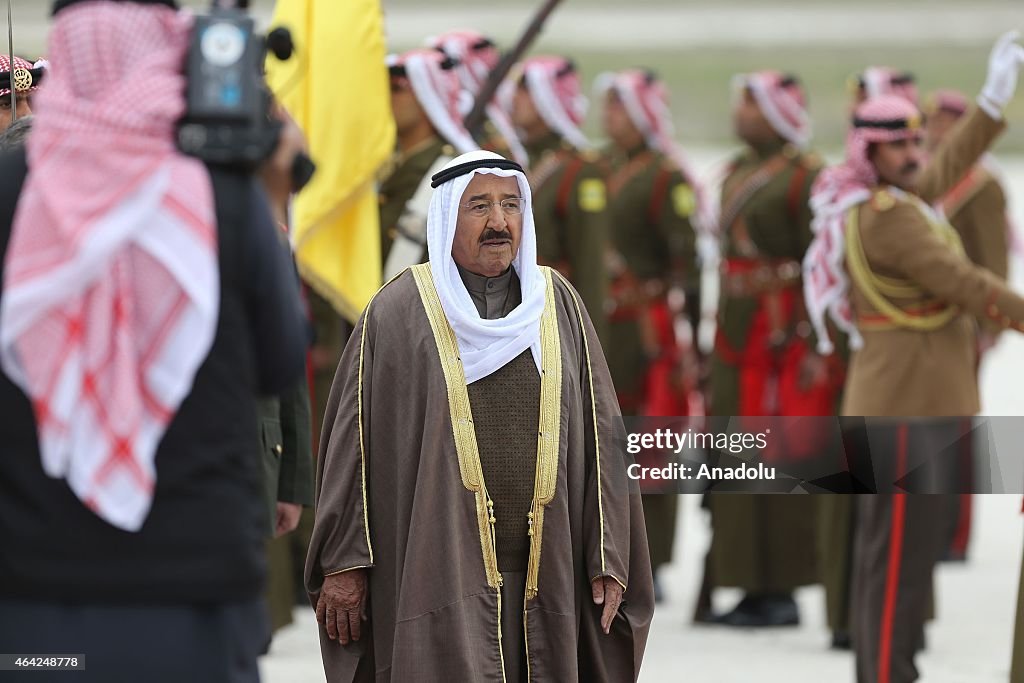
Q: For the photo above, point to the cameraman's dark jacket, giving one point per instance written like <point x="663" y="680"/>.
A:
<point x="203" y="540"/>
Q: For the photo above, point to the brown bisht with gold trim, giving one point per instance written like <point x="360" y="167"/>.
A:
<point x="400" y="490"/>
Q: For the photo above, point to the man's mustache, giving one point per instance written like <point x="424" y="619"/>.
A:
<point x="909" y="167"/>
<point x="491" y="234"/>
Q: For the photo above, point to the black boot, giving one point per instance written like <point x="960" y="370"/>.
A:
<point x="763" y="611"/>
<point x="841" y="640"/>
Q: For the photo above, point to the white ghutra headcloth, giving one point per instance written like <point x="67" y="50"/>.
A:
<point x="484" y="345"/>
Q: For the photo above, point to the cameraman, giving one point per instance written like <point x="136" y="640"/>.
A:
<point x="145" y="300"/>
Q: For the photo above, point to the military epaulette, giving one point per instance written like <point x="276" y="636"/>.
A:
<point x="882" y="200"/>
<point x="591" y="156"/>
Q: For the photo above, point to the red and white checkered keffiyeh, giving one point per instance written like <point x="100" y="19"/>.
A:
<point x="19" y="63"/>
<point x="646" y="100"/>
<point x="555" y="88"/>
<point x="111" y="283"/>
<point x="782" y="101"/>
<point x="438" y="90"/>
<point x="837" y="190"/>
<point x="885" y="80"/>
<point x="951" y="101"/>
<point x="476" y="56"/>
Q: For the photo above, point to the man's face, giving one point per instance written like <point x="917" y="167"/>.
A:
<point x="486" y="245"/>
<point x="617" y="123"/>
<point x="898" y="163"/>
<point x="749" y="122"/>
<point x="936" y="127"/>
<point x="404" y="106"/>
<point x="24" y="103"/>
<point x="525" y="116"/>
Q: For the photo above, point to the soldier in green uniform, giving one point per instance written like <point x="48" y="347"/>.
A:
<point x="882" y="80"/>
<point x="424" y="103"/>
<point x="569" y="202"/>
<point x="653" y="205"/>
<point x="285" y="432"/>
<point x="476" y="56"/>
<point x="763" y="363"/>
<point x="287" y="451"/>
<point x="425" y="93"/>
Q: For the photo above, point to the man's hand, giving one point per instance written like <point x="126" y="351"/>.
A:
<point x="1003" y="65"/>
<point x="287" y="518"/>
<point x="608" y="592"/>
<point x="276" y="172"/>
<point x="341" y="606"/>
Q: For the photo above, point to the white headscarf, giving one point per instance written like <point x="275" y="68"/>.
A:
<point x="484" y="345"/>
<point x="438" y="91"/>
<point x="555" y="87"/>
<point x="782" y="101"/>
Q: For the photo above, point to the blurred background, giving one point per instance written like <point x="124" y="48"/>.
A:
<point x="697" y="47"/>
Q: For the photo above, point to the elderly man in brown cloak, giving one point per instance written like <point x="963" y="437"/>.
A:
<point x="474" y="517"/>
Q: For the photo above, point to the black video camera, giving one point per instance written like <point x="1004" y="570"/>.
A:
<point x="228" y="117"/>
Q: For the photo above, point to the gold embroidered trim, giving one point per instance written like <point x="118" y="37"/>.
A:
<point x="359" y="408"/>
<point x="501" y="650"/>
<point x="610" y="576"/>
<point x="462" y="417"/>
<point x="593" y="409"/>
<point x="526" y="639"/>
<point x="876" y="288"/>
<point x="549" y="433"/>
<point x="349" y="569"/>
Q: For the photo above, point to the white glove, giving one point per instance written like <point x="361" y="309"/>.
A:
<point x="1004" y="62"/>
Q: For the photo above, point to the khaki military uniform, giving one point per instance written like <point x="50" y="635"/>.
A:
<point x="976" y="208"/>
<point x="764" y="544"/>
<point x="916" y="298"/>
<point x="570" y="211"/>
<point x="650" y="204"/>
<point x="895" y="372"/>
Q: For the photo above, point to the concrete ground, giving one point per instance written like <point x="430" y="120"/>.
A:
<point x="968" y="643"/>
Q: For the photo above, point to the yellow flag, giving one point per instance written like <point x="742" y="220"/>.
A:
<point x="336" y="88"/>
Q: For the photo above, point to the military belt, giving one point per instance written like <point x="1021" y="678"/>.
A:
<point x="751" y="277"/>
